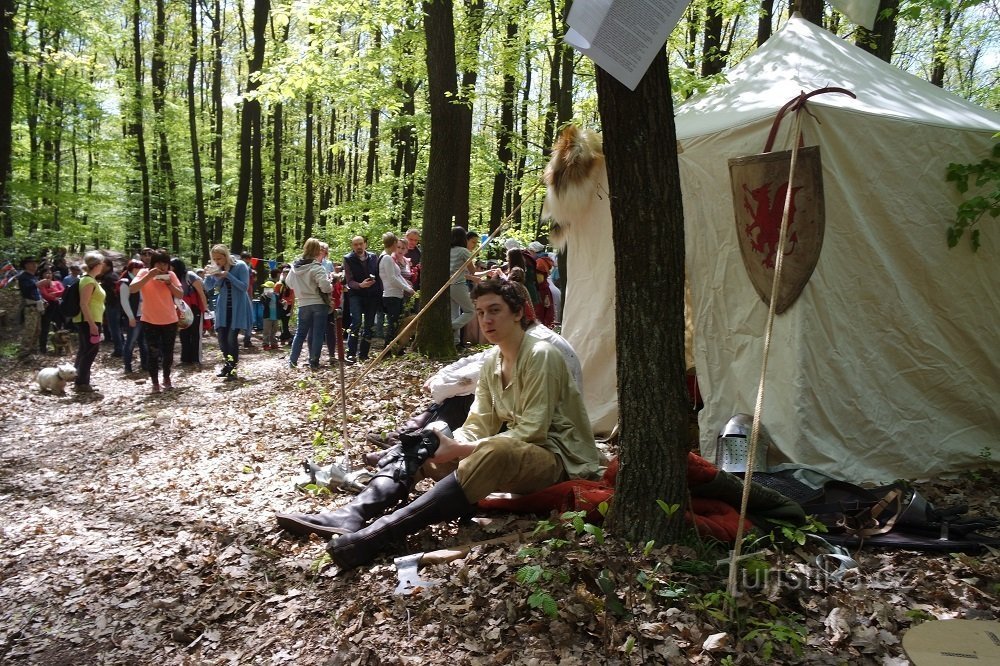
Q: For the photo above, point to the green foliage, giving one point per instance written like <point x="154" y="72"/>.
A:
<point x="984" y="175"/>
<point x="577" y="521"/>
<point x="533" y="577"/>
<point x="758" y="621"/>
<point x="795" y="534"/>
<point x="668" y="509"/>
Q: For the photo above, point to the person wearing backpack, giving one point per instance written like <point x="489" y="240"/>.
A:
<point x="88" y="318"/>
<point x="194" y="295"/>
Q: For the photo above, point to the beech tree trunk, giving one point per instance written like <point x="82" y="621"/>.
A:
<point x="217" y="212"/>
<point x="880" y="41"/>
<point x="765" y="21"/>
<point x="136" y="127"/>
<point x="644" y="180"/>
<point x="199" y="189"/>
<point x="309" y="214"/>
<point x="434" y="333"/>
<point x="250" y="170"/>
<point x="712" y="58"/>
<point x="505" y="132"/>
<point x="6" y="113"/>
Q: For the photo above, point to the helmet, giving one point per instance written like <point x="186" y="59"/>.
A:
<point x="732" y="450"/>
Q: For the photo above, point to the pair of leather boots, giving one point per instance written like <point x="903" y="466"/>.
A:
<point x="354" y="540"/>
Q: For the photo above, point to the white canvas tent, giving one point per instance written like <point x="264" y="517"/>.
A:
<point x="888" y="364"/>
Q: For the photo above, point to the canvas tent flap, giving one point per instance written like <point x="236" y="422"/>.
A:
<point x="887" y="365"/>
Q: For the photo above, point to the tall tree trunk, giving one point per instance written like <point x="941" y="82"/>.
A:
<point x="941" y="48"/>
<point x="136" y="129"/>
<point x="644" y="181"/>
<point x="371" y="163"/>
<point x="34" y="83"/>
<point x="6" y="113"/>
<point x="473" y="33"/>
<point x="310" y="214"/>
<point x="257" y="182"/>
<point x="812" y="10"/>
<point x="505" y="130"/>
<point x="434" y="335"/>
<point x="217" y="111"/>
<point x="276" y="157"/>
<point x="250" y="137"/>
<point x="765" y="22"/>
<point x="880" y="41"/>
<point x="167" y="195"/>
<point x="199" y="189"/>
<point x="712" y="58"/>
<point x="522" y="158"/>
<point x="693" y="18"/>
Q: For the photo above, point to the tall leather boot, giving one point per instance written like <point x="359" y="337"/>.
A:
<point x="382" y="494"/>
<point x="445" y="501"/>
<point x="365" y="347"/>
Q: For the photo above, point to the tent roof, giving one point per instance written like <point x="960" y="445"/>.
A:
<point x="803" y="57"/>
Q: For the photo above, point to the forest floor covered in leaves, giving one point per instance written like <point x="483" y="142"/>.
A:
<point x="139" y="529"/>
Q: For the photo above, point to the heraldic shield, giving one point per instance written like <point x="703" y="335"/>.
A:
<point x="760" y="186"/>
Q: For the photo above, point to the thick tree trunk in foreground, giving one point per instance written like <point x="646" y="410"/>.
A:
<point x="641" y="151"/>
<point x="434" y="333"/>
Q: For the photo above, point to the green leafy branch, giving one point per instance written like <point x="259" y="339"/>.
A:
<point x="971" y="211"/>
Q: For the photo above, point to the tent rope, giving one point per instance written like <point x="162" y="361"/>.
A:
<point x="734" y="559"/>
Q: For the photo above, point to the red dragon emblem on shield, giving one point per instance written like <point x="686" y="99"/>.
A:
<point x="766" y="213"/>
<point x="760" y="186"/>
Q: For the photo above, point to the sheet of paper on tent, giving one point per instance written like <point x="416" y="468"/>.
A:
<point x="861" y="12"/>
<point x="622" y="36"/>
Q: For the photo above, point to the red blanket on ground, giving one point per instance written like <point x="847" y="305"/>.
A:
<point x="711" y="517"/>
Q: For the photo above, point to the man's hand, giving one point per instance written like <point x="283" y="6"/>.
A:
<point x="450" y="449"/>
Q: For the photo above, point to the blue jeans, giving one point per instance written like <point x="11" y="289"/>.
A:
<point x="312" y="324"/>
<point x="136" y="337"/>
<point x="114" y="329"/>
<point x="361" y="308"/>
<point x="229" y="345"/>
<point x="393" y="307"/>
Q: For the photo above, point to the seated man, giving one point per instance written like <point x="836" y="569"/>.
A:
<point x="527" y="429"/>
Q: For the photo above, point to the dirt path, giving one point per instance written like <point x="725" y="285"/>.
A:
<point x="138" y="529"/>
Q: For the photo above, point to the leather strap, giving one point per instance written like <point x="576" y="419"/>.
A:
<point x="797" y="104"/>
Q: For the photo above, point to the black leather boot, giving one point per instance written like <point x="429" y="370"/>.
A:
<point x="382" y="494"/>
<point x="445" y="501"/>
<point x="365" y="348"/>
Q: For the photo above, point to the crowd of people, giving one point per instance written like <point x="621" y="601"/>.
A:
<point x="525" y="429"/>
<point x="135" y="308"/>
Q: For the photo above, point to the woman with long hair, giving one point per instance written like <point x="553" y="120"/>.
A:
<point x="194" y="295"/>
<point x="312" y="287"/>
<point x="88" y="320"/>
<point x="233" y="309"/>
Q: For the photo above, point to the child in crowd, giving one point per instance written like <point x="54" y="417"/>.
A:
<point x="273" y="311"/>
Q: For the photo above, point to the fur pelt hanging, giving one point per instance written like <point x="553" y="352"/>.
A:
<point x="576" y="180"/>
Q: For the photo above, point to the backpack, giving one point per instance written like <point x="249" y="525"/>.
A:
<point x="69" y="307"/>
